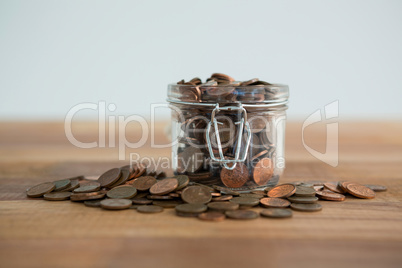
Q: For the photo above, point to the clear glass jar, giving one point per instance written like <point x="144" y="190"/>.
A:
<point x="229" y="136"/>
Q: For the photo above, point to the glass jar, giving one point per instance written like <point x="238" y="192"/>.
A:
<point x="229" y="136"/>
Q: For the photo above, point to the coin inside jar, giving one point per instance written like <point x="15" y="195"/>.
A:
<point x="190" y="160"/>
<point x="263" y="171"/>
<point x="236" y="177"/>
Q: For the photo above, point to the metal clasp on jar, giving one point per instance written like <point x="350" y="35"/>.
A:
<point x="243" y="124"/>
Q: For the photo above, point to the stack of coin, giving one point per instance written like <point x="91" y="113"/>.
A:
<point x="193" y="155"/>
<point x="148" y="192"/>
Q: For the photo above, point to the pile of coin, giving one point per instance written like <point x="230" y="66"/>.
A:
<point x="193" y="155"/>
<point x="133" y="187"/>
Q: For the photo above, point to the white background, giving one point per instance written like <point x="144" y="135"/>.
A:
<point x="56" y="54"/>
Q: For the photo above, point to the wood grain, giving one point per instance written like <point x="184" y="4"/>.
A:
<point x="354" y="233"/>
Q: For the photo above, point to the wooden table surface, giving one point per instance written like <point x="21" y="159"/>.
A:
<point x="353" y="233"/>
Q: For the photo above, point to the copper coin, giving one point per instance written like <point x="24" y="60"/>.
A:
<point x="376" y="188"/>
<point x="236" y="177"/>
<point x="144" y="183"/>
<point x="75" y="183"/>
<point x="116" y="204"/>
<point x="167" y="203"/>
<point x="141" y="201"/>
<point x="122" y="192"/>
<point x="124" y="177"/>
<point x="214" y="194"/>
<point x="175" y="195"/>
<point x="159" y="197"/>
<point x="276" y="213"/>
<point x="248" y="82"/>
<point x="109" y="177"/>
<point x="241" y="214"/>
<point x="252" y="195"/>
<point x="303" y="199"/>
<point x="222" y="198"/>
<point x="334" y="188"/>
<point x="262" y="153"/>
<point x="61" y="185"/>
<point x="212" y="216"/>
<point x="331" y="196"/>
<point x="245" y="201"/>
<point x="149" y="209"/>
<point x="284" y="190"/>
<point x="164" y="186"/>
<point x="273" y="202"/>
<point x="306" y="207"/>
<point x="191" y="208"/>
<point x="93" y="187"/>
<point x="183" y="181"/>
<point x="57" y="196"/>
<point x="225" y="190"/>
<point x="223" y="206"/>
<point x="343" y="185"/>
<point x="190" y="160"/>
<point x="263" y="171"/>
<point x="196" y="195"/>
<point x="304" y="191"/>
<point x="41" y="189"/>
<point x="93" y="203"/>
<point x="87" y="196"/>
<point x="220" y="76"/>
<point x="360" y="191"/>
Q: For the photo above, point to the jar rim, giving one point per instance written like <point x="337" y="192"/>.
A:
<point x="275" y="94"/>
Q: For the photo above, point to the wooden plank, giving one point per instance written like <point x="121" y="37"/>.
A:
<point x="64" y="234"/>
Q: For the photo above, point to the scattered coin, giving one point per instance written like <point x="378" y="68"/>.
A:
<point x="276" y="213"/>
<point x="164" y="186"/>
<point x="360" y="191"/>
<point x="212" y="216"/>
<point x="263" y="171"/>
<point x="236" y="177"/>
<point x="88" y="188"/>
<point x="223" y="206"/>
<point x="245" y="201"/>
<point x="75" y="183"/>
<point x="304" y="191"/>
<point x="167" y="203"/>
<point x="144" y="183"/>
<point x="196" y="194"/>
<point x="306" y="207"/>
<point x="61" y="185"/>
<point x="109" y="177"/>
<point x="343" y="185"/>
<point x="274" y="202"/>
<point x="257" y="196"/>
<point x="41" y="189"/>
<point x="159" y="197"/>
<point x="183" y="181"/>
<point x="93" y="203"/>
<point x="284" y="190"/>
<point x="191" y="208"/>
<point x="149" y="209"/>
<point x="303" y="199"/>
<point x="122" y="192"/>
<point x="124" y="177"/>
<point x="116" y="204"/>
<point x="86" y="196"/>
<point x="222" y="198"/>
<point x="334" y="188"/>
<point x="141" y="201"/>
<point x="57" y="196"/>
<point x="331" y="196"/>
<point x="241" y="214"/>
<point x="376" y="188"/>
